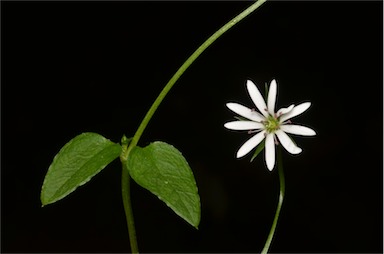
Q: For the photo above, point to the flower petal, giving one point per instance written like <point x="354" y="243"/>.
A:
<point x="272" y="97"/>
<point x="283" y="111"/>
<point x="287" y="143"/>
<point x="299" y="109"/>
<point x="270" y="151"/>
<point x="250" y="144"/>
<point x="243" y="125"/>
<point x="245" y="112"/>
<point x="256" y="97"/>
<point x="297" y="129"/>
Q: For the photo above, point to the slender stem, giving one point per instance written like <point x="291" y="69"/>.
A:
<point x="281" y="198"/>
<point x="125" y="191"/>
<point x="125" y="178"/>
<point x="182" y="69"/>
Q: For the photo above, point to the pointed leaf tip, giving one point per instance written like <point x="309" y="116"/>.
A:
<point x="162" y="169"/>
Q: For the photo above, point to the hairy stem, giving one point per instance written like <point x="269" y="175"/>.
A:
<point x="281" y="198"/>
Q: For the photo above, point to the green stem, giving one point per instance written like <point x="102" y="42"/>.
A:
<point x="281" y="198"/>
<point x="183" y="68"/>
<point x="125" y="178"/>
<point x="125" y="191"/>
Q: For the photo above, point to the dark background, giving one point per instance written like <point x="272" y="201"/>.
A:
<point x="73" y="67"/>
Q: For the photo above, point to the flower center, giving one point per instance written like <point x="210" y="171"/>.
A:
<point x="271" y="124"/>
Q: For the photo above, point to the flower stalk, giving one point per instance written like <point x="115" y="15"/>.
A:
<point x="271" y="126"/>
<point x="279" y="205"/>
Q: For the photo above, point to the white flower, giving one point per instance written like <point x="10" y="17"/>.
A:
<point x="268" y="124"/>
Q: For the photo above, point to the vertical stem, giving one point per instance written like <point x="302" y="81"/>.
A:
<point x="126" y="193"/>
<point x="281" y="198"/>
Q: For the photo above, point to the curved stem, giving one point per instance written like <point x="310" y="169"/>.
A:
<point x="125" y="191"/>
<point x="281" y="198"/>
<point x="125" y="178"/>
<point x="182" y="69"/>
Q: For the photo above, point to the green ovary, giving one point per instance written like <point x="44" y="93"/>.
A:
<point x="272" y="124"/>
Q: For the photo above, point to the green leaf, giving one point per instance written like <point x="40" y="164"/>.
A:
<point x="162" y="169"/>
<point x="259" y="148"/>
<point x="76" y="163"/>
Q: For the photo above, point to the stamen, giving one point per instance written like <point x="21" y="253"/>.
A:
<point x="252" y="131"/>
<point x="276" y="141"/>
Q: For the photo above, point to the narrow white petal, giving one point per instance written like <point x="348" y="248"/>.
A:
<point x="284" y="110"/>
<point x="272" y="97"/>
<point x="245" y="112"/>
<point x="250" y="144"/>
<point x="243" y="125"/>
<point x="270" y="151"/>
<point x="299" y="109"/>
<point x="256" y="97"/>
<point x="297" y="129"/>
<point x="287" y="143"/>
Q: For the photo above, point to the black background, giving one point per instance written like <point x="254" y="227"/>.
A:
<point x="73" y="67"/>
